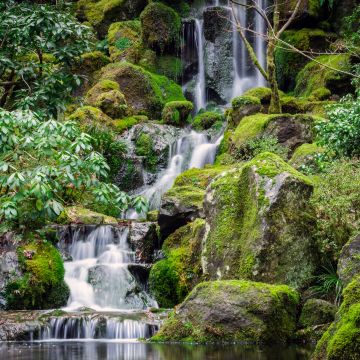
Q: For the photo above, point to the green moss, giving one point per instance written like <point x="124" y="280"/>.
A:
<point x="262" y="93"/>
<point x="112" y="103"/>
<point x="42" y="285"/>
<point x="245" y="100"/>
<point x="321" y="94"/>
<point x="342" y="340"/>
<point x="314" y="76"/>
<point x="152" y="215"/>
<point x="146" y="93"/>
<point x="80" y="215"/>
<point x="206" y="120"/>
<point x="127" y="123"/>
<point x="173" y="278"/>
<point x="317" y="312"/>
<point x="99" y="88"/>
<point x="90" y="116"/>
<point x="161" y="27"/>
<point x="177" y="112"/>
<point x="305" y="154"/>
<point x="288" y="62"/>
<point x="144" y="146"/>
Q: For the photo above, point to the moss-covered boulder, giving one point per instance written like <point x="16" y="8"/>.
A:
<point x="349" y="261"/>
<point x="290" y="131"/>
<point x="305" y="155"/>
<point x="317" y="312"/>
<point x="42" y="283"/>
<point x="177" y="112"/>
<point x="206" y="120"/>
<point x="172" y="278"/>
<point x="233" y="310"/>
<point x="80" y="215"/>
<point x="184" y="201"/>
<point x="242" y="106"/>
<point x="146" y="93"/>
<point x="288" y="62"/>
<point x="90" y="116"/>
<point x="262" y="93"/>
<point x="259" y="222"/>
<point x="342" y="340"/>
<point x="315" y="76"/>
<point x="101" y="13"/>
<point x="99" y="88"/>
<point x="112" y="103"/>
<point x="161" y="26"/>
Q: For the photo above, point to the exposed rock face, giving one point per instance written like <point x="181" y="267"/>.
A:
<point x="144" y="240"/>
<point x="349" y="261"/>
<point x="218" y="52"/>
<point x="342" y="340"/>
<point x="233" y="310"/>
<point x="259" y="223"/>
<point x="317" y="312"/>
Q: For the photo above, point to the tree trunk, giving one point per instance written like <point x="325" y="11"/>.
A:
<point x="275" y="104"/>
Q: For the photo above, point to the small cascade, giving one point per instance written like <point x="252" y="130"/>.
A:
<point x="99" y="275"/>
<point x="192" y="150"/>
<point x="200" y="87"/>
<point x="84" y="327"/>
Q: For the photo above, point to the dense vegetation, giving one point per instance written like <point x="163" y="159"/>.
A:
<point x="268" y="236"/>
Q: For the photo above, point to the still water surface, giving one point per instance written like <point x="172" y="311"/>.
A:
<point x="139" y="351"/>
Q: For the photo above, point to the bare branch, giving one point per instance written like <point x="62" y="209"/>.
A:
<point x="291" y="18"/>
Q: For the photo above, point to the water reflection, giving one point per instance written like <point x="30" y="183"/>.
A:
<point x="138" y="351"/>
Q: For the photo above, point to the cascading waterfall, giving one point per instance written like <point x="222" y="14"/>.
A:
<point x="200" y="87"/>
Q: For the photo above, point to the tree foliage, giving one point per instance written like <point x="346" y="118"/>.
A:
<point x="46" y="165"/>
<point x="40" y="44"/>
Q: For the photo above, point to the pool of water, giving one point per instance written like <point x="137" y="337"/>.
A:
<point x="138" y="351"/>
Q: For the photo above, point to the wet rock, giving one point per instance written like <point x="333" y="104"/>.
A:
<point x="218" y="52"/>
<point x="144" y="240"/>
<point x="349" y="261"/>
<point x="79" y="215"/>
<point x="234" y="310"/>
<point x="317" y="312"/>
<point x="259" y="222"/>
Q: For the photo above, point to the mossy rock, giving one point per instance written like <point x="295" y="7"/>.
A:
<point x="101" y="13"/>
<point x="260" y="219"/>
<point x="161" y="27"/>
<point x="261" y="93"/>
<point x="122" y="125"/>
<point x="349" y="260"/>
<point x="184" y="201"/>
<point x="90" y="116"/>
<point x="233" y="310"/>
<point x="288" y="62"/>
<point x="122" y="38"/>
<point x="112" y="103"/>
<point x="317" y="312"/>
<point x="291" y="131"/>
<point x="172" y="278"/>
<point x="80" y="215"/>
<point x="42" y="285"/>
<point x="99" y="88"/>
<point x="144" y="147"/>
<point x="342" y="340"/>
<point x="314" y="76"/>
<point x="146" y="93"/>
<point x="206" y="120"/>
<point x="246" y="105"/>
<point x="305" y="155"/>
<point x="177" y="112"/>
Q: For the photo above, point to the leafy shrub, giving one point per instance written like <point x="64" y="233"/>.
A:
<point x="45" y="165"/>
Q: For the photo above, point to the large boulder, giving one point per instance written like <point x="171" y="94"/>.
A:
<point x="172" y="278"/>
<point x="233" y="310"/>
<point x="80" y="215"/>
<point x="349" y="261"/>
<point x="342" y="340"/>
<point x="260" y="221"/>
<point x="218" y="53"/>
<point x="145" y="93"/>
<point x="317" y="312"/>
<point x="183" y="203"/>
<point x="290" y="131"/>
<point x="101" y="13"/>
<point x="161" y="26"/>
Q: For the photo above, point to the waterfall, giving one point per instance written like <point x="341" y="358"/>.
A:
<point x="98" y="276"/>
<point x="192" y="150"/>
<point x="200" y="86"/>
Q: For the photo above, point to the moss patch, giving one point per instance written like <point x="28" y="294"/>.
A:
<point x="177" y="112"/>
<point x="42" y="285"/>
<point x="80" y="215"/>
